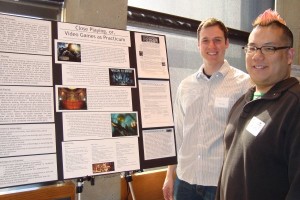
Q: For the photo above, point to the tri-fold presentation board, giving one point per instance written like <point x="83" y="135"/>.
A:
<point x="79" y="100"/>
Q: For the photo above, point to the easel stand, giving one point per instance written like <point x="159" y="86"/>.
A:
<point x="80" y="182"/>
<point x="128" y="179"/>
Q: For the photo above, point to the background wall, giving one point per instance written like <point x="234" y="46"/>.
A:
<point x="237" y="14"/>
<point x="105" y="13"/>
<point x="289" y="10"/>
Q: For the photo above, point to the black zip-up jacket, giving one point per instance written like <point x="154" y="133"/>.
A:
<point x="262" y="146"/>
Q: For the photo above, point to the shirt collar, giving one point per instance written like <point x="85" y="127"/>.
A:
<point x="221" y="72"/>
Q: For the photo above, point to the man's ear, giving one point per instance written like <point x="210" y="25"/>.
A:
<point x="291" y="55"/>
<point x="227" y="43"/>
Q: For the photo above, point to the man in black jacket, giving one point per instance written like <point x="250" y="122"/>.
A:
<point x="262" y="137"/>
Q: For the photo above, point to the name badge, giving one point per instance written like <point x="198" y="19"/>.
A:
<point x="221" y="102"/>
<point x="255" y="126"/>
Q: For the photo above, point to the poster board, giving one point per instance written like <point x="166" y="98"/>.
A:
<point x="80" y="100"/>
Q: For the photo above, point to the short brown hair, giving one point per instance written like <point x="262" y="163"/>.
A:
<point x="212" y="22"/>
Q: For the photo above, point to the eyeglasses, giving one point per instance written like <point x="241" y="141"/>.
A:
<point x="266" y="50"/>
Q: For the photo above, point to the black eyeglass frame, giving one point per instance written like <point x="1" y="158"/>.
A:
<point x="274" y="49"/>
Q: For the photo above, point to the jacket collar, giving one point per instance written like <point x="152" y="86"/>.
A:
<point x="275" y="91"/>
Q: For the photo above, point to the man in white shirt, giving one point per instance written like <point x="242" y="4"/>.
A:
<point x="202" y="104"/>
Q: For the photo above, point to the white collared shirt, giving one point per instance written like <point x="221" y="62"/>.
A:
<point x="201" y="110"/>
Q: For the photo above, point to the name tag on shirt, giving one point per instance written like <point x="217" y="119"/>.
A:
<point x="255" y="126"/>
<point x="221" y="102"/>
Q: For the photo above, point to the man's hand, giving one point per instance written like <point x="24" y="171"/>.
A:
<point x="168" y="189"/>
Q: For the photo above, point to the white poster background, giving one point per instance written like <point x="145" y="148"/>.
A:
<point x="85" y="75"/>
<point x="89" y="75"/>
<point x="89" y="125"/>
<point x="94" y="54"/>
<point x="159" y="143"/>
<point x="151" y="56"/>
<point x="79" y="157"/>
<point x="27" y="170"/>
<point x="26" y="104"/>
<point x="21" y="69"/>
<point x="92" y="34"/>
<point x="155" y="100"/>
<point x="99" y="99"/>
<point x="27" y="139"/>
<point x="24" y="35"/>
